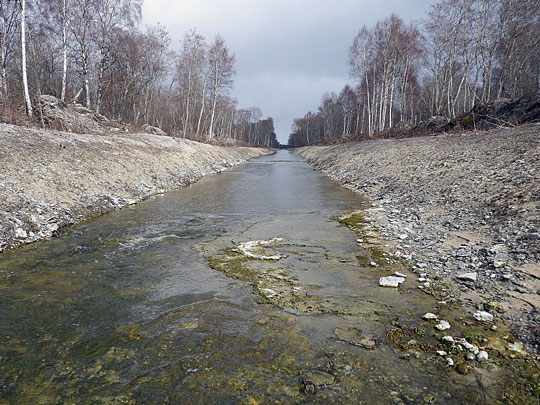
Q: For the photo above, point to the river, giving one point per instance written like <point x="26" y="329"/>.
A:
<point x="154" y="304"/>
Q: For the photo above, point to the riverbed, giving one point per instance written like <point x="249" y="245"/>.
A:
<point x="158" y="303"/>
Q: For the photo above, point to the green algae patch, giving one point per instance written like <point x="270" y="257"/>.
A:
<point x="370" y="243"/>
<point x="273" y="284"/>
<point x="233" y="264"/>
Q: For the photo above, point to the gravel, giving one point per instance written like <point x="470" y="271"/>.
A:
<point x="466" y="207"/>
<point x="51" y="179"/>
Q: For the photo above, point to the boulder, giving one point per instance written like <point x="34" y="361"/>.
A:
<point x="73" y="117"/>
<point x="149" y="129"/>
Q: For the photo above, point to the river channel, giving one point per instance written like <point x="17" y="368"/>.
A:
<point x="156" y="303"/>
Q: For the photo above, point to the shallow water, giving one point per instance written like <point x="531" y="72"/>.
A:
<point x="125" y="308"/>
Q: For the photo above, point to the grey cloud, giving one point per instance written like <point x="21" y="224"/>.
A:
<point x="288" y="53"/>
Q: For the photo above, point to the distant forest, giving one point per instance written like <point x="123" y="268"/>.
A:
<point x="464" y="53"/>
<point x="95" y="53"/>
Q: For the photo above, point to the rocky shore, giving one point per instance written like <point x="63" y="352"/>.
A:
<point x="465" y="209"/>
<point x="51" y="179"/>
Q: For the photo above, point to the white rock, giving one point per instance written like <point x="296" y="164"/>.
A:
<point x="391" y="281"/>
<point x="468" y="276"/>
<point x="449" y="361"/>
<point x="517" y="347"/>
<point x="468" y="346"/>
<point x="20" y="233"/>
<point x="483" y="316"/>
<point x="360" y="240"/>
<point x="421" y="279"/>
<point x="398" y="274"/>
<point x="448" y="339"/>
<point x="430" y="316"/>
<point x="442" y="325"/>
<point x="441" y="353"/>
<point x="247" y="249"/>
<point x="482" y="356"/>
<point x="374" y="264"/>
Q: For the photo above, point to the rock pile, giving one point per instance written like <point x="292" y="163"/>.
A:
<point x="74" y="117"/>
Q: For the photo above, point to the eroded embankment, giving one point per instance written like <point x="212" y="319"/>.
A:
<point x="466" y="206"/>
<point x="51" y="179"/>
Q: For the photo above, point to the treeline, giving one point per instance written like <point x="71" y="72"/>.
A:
<point x="464" y="53"/>
<point x="95" y="53"/>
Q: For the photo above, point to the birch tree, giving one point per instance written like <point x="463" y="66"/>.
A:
<point x="24" y="72"/>
<point x="221" y="68"/>
<point x="80" y="23"/>
<point x="191" y="72"/>
<point x="64" y="50"/>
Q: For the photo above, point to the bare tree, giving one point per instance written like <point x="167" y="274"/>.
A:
<point x="111" y="16"/>
<point x="191" y="72"/>
<point x="28" y="102"/>
<point x="221" y="67"/>
<point x="64" y="50"/>
<point x="9" y="10"/>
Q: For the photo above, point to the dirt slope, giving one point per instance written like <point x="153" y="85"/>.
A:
<point x="466" y="203"/>
<point x="50" y="179"/>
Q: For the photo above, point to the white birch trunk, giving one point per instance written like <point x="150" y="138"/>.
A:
<point x="64" y="47"/>
<point x="29" y="110"/>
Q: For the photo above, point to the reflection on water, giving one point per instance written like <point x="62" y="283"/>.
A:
<point x="125" y="308"/>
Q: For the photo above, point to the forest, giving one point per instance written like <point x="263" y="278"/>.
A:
<point x="462" y="54"/>
<point x="94" y="52"/>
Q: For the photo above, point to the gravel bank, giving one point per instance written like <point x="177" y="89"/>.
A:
<point x="466" y="207"/>
<point x="51" y="179"/>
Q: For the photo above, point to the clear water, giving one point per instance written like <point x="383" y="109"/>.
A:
<point x="125" y="309"/>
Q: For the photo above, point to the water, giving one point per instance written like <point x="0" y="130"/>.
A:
<point x="125" y="308"/>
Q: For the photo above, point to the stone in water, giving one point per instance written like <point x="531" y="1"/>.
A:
<point x="483" y="316"/>
<point x="391" y="281"/>
<point x="442" y="325"/>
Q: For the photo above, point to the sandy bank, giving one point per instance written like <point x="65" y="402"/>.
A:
<point x="51" y="179"/>
<point x="460" y="204"/>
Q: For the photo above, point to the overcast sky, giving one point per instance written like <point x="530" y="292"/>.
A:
<point x="288" y="52"/>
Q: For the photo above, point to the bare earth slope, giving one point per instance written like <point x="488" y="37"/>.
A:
<point x="460" y="204"/>
<point x="50" y="179"/>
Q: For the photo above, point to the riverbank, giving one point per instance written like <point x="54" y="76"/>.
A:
<point x="464" y="208"/>
<point x="51" y="179"/>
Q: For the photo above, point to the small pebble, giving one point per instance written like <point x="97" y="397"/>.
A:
<point x="442" y="325"/>
<point x="448" y="339"/>
<point x="482" y="356"/>
<point x="483" y="316"/>
<point x="430" y="316"/>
